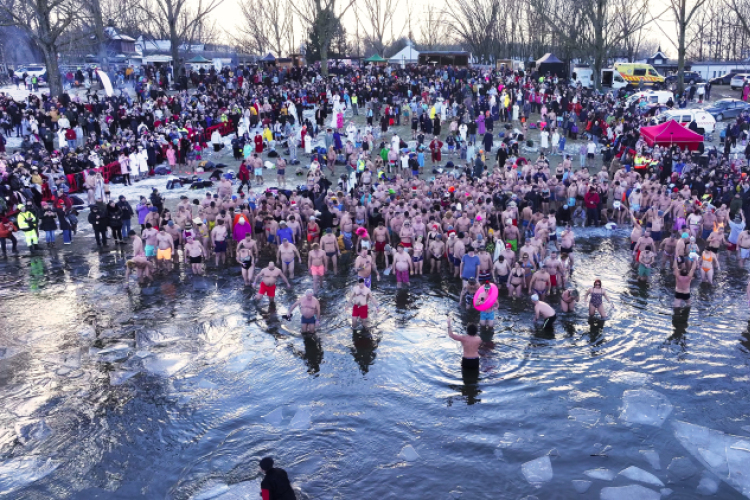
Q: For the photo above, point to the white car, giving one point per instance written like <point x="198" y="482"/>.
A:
<point x="652" y="97"/>
<point x="738" y="81"/>
<point x="38" y="70"/>
<point x="684" y="117"/>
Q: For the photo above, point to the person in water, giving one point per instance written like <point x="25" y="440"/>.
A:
<point x="544" y="311"/>
<point x="470" y="344"/>
<point x="275" y="484"/>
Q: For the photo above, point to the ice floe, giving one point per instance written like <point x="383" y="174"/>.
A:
<point x="18" y="473"/>
<point x="538" y="470"/>
<point x="630" y="492"/>
<point x="635" y="474"/>
<point x="166" y="365"/>
<point x="409" y="454"/>
<point x="603" y="474"/>
<point x="644" y="406"/>
<point x="652" y="457"/>
<point x="301" y="420"/>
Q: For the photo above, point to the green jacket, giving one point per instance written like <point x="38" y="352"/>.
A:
<point x="26" y="221"/>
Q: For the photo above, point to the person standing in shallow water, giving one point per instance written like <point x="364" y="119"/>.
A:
<point x="470" y="344"/>
<point x="275" y="485"/>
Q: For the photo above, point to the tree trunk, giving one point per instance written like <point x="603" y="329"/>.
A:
<point x="53" y="70"/>
<point x="681" y="57"/>
<point x="324" y="59"/>
<point x="174" y="40"/>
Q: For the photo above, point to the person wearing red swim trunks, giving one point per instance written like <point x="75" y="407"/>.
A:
<point x="269" y="275"/>
<point x="361" y="295"/>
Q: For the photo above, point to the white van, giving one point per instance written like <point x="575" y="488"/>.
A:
<point x="584" y="75"/>
<point x="738" y="81"/>
<point x="685" y="116"/>
<point x="652" y="97"/>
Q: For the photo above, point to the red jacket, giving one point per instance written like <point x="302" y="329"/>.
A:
<point x="591" y="199"/>
<point x="244" y="173"/>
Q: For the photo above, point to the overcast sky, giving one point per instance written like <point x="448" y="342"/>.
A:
<point x="228" y="15"/>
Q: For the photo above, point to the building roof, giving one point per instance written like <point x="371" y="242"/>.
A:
<point x="375" y="58"/>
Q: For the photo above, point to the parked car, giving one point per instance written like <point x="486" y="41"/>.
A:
<point x="38" y="70"/>
<point x="727" y="108"/>
<point x="690" y="77"/>
<point x="727" y="78"/>
<point x="705" y="120"/>
<point x="738" y="81"/>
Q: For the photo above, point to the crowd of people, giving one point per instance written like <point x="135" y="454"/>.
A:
<point x="473" y="174"/>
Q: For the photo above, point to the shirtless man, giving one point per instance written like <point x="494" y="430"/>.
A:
<point x="501" y="271"/>
<point x="402" y="266"/>
<point x="330" y="246"/>
<point x="544" y="311"/>
<point x="470" y="344"/>
<point x="436" y="250"/>
<point x="316" y="263"/>
<point x="554" y="267"/>
<point x="567" y="240"/>
<point x="683" y="278"/>
<point x="646" y="261"/>
<point x="194" y="254"/>
<point x="540" y="283"/>
<point x="164" y="250"/>
<point x="268" y="277"/>
<point x="286" y="254"/>
<point x="668" y="247"/>
<point x="175" y="232"/>
<point x="365" y="266"/>
<point x="309" y="307"/>
<point x="361" y="295"/>
<point x="406" y="235"/>
<point x="382" y="238"/>
<point x="511" y="233"/>
<point x="149" y="237"/>
<point x="219" y="241"/>
<point x="142" y="266"/>
<point x="743" y="247"/>
<point x="138" y="250"/>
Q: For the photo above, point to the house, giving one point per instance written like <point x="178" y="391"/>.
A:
<point x="713" y="69"/>
<point x="663" y="64"/>
<point x="407" y="55"/>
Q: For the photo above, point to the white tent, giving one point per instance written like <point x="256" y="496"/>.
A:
<point x="407" y="55"/>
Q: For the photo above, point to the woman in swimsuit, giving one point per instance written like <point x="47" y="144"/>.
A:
<point x="568" y="300"/>
<point x="708" y="261"/>
<point x="517" y="280"/>
<point x="529" y="269"/>
<point x="596" y="303"/>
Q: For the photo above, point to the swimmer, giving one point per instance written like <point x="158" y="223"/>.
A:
<point x="709" y="262"/>
<point x="365" y="266"/>
<point x="402" y="266"/>
<point x="544" y="311"/>
<point x="142" y="266"/>
<point x="246" y="260"/>
<point x="486" y="317"/>
<point x="470" y="344"/>
<point x="285" y="256"/>
<point x="316" y="263"/>
<point x="195" y="252"/>
<point x="268" y="277"/>
<point x="568" y="300"/>
<point x="683" y="278"/>
<point x="596" y="304"/>
<point x="361" y="296"/>
<point x="309" y="306"/>
<point x="646" y="261"/>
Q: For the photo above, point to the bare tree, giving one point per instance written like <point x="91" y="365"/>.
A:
<point x="472" y="22"/>
<point x="378" y="18"/>
<point x="45" y="22"/>
<point x="600" y="25"/>
<point x="323" y="18"/>
<point x="181" y="22"/>
<point x="432" y="29"/>
<point x="265" y="26"/>
<point x="683" y="13"/>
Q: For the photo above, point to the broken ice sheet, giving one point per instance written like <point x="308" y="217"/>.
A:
<point x="539" y="470"/>
<point x="635" y="474"/>
<point x="301" y="420"/>
<point x="409" y="454"/>
<point x="682" y="468"/>
<point x="652" y="457"/>
<point x="585" y="416"/>
<point x="275" y="417"/>
<point x="18" y="473"/>
<point x="630" y="378"/>
<point x="28" y="430"/>
<point x="603" y="474"/>
<point x="708" y="485"/>
<point x="166" y="365"/>
<point x="631" y="492"/>
<point x="581" y="486"/>
<point x="120" y="377"/>
<point x="644" y="406"/>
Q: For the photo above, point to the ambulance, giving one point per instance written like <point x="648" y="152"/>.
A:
<point x="635" y="73"/>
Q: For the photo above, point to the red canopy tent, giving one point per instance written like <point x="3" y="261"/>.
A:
<point x="671" y="133"/>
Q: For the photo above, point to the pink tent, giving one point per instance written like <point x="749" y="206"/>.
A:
<point x="671" y="133"/>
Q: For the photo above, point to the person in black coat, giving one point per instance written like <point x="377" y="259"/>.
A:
<point x="48" y="224"/>
<point x="114" y="216"/>
<point x="65" y="226"/>
<point x="98" y="221"/>
<point x="275" y="485"/>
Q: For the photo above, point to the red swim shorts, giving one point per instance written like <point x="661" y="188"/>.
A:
<point x="269" y="290"/>
<point x="359" y="312"/>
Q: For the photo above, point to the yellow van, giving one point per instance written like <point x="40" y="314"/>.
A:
<point x="634" y="73"/>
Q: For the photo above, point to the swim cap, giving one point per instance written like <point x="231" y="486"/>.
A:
<point x="685" y="235"/>
<point x="534" y="298"/>
<point x="170" y="223"/>
<point x="309" y="291"/>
